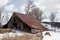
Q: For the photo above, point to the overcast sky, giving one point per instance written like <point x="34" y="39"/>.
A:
<point x="47" y="6"/>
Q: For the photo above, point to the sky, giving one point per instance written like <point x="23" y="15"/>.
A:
<point x="47" y="6"/>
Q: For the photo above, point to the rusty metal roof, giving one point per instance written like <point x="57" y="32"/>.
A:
<point x="30" y="21"/>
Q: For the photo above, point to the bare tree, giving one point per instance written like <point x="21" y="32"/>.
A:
<point x="31" y="9"/>
<point x="52" y="16"/>
<point x="29" y="6"/>
<point x="37" y="13"/>
<point x="1" y="9"/>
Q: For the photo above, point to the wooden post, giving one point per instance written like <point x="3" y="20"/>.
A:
<point x="41" y="36"/>
<point x="21" y="26"/>
<point x="0" y="20"/>
<point x="0" y="24"/>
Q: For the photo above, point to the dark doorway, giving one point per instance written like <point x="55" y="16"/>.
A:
<point x="26" y="28"/>
<point x="5" y="26"/>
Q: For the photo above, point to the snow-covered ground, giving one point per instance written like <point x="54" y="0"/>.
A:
<point x="54" y="35"/>
<point x="11" y="34"/>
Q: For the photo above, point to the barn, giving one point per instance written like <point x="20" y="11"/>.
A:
<point x="24" y="22"/>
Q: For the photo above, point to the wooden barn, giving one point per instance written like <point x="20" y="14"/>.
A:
<point x="24" y="23"/>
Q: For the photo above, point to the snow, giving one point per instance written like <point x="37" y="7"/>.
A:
<point x="1" y="36"/>
<point x="5" y="35"/>
<point x="54" y="35"/>
<point x="11" y="34"/>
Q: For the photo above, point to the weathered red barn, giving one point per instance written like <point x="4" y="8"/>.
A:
<point x="24" y="22"/>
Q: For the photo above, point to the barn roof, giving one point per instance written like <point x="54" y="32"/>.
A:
<point x="30" y="21"/>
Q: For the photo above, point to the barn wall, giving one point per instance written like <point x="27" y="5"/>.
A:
<point x="33" y="30"/>
<point x="20" y="25"/>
